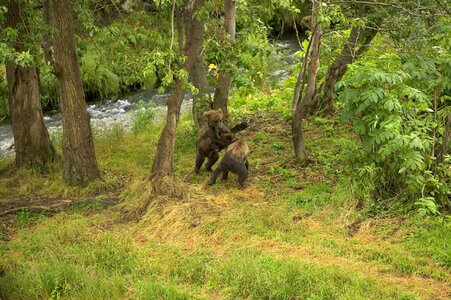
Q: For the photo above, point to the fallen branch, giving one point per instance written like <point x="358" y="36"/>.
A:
<point x="46" y="205"/>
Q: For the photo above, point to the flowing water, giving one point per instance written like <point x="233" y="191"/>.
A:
<point x="105" y="114"/>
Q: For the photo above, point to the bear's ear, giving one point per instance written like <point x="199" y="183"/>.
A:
<point x="207" y="114"/>
<point x="219" y="111"/>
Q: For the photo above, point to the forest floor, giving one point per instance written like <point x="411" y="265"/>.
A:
<point x="295" y="232"/>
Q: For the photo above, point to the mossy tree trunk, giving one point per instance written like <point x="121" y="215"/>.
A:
<point x="191" y="40"/>
<point x="31" y="138"/>
<point x="302" y="108"/>
<point x="79" y="160"/>
<point x="221" y="96"/>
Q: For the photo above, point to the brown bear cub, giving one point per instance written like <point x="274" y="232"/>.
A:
<point x="235" y="161"/>
<point x="213" y="137"/>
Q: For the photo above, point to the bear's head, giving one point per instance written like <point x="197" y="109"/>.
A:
<point x="215" y="119"/>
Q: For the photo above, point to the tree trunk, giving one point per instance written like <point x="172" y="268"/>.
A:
<point x="202" y="101"/>
<point x="350" y="53"/>
<point x="300" y="81"/>
<point x="163" y="162"/>
<point x="193" y="35"/>
<point x="221" y="97"/>
<point x="46" y="39"/>
<point x="31" y="138"/>
<point x="302" y="109"/>
<point x="444" y="149"/>
<point x="79" y="160"/>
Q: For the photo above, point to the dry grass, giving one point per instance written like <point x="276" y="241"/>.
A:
<point x="185" y="223"/>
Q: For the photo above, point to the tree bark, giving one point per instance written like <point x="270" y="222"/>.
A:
<point x="300" y="81"/>
<point x="308" y="103"/>
<point x="358" y="42"/>
<point x="79" y="160"/>
<point x="221" y="96"/>
<point x="31" y="138"/>
<point x="193" y="40"/>
<point x="202" y="101"/>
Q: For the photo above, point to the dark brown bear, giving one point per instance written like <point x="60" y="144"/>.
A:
<point x="213" y="137"/>
<point x="235" y="161"/>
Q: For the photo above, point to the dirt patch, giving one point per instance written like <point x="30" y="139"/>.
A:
<point x="270" y="123"/>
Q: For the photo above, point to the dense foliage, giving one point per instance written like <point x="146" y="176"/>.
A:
<point x="398" y="102"/>
<point x="400" y="127"/>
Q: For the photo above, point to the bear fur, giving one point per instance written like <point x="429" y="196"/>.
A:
<point x="235" y="161"/>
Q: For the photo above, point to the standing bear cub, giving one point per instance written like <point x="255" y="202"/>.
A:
<point x="213" y="137"/>
<point x="235" y="161"/>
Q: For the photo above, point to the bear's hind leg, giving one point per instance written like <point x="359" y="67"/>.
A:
<point x="200" y="158"/>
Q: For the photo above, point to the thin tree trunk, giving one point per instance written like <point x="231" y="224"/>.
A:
<point x="46" y="39"/>
<point x="31" y="138"/>
<point x="79" y="160"/>
<point x="163" y="162"/>
<point x="444" y="149"/>
<point x="300" y="82"/>
<point x="350" y="53"/>
<point x="221" y="96"/>
<point x="303" y="108"/>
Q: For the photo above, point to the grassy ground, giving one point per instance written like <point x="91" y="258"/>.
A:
<point x="293" y="233"/>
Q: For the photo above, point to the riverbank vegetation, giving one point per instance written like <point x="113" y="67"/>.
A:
<point x="350" y="169"/>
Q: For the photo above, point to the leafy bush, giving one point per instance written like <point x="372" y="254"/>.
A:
<point x="98" y="79"/>
<point x="134" y="38"/>
<point x="399" y="130"/>
<point x="49" y="98"/>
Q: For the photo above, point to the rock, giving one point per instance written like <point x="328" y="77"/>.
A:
<point x="7" y="144"/>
